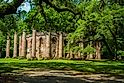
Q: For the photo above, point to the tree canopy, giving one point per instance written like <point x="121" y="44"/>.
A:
<point x="96" y="23"/>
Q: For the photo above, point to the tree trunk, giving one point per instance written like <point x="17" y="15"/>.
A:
<point x="107" y="46"/>
<point x="8" y="47"/>
<point x="82" y="46"/>
<point x="98" y="48"/>
<point x="89" y="55"/>
<point x="68" y="55"/>
<point x="79" y="53"/>
<point x="34" y="44"/>
<point x="15" y="46"/>
<point x="71" y="55"/>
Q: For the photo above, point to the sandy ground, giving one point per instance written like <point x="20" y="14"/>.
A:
<point x="58" y="76"/>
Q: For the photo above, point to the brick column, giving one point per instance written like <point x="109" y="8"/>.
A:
<point x="57" y="47"/>
<point x="33" y="43"/>
<point x="15" y="46"/>
<point x="20" y="45"/>
<point x="48" y="45"/>
<point x="8" y="47"/>
<point x="60" y="45"/>
<point x="29" y="48"/>
<point x="23" y="53"/>
<point x="38" y="43"/>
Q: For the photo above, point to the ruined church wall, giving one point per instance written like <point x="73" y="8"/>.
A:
<point x="41" y="45"/>
<point x="47" y="45"/>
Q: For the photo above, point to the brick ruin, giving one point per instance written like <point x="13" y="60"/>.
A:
<point x="37" y="45"/>
<point x="42" y="45"/>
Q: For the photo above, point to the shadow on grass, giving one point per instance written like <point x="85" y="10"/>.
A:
<point x="89" y="68"/>
<point x="51" y="79"/>
<point x="5" y="69"/>
<point x="83" y="67"/>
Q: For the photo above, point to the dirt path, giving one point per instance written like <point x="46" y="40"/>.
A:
<point x="58" y="76"/>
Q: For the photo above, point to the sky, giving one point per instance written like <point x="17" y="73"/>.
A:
<point x="26" y="7"/>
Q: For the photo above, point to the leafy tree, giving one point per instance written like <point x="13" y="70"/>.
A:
<point x="100" y="25"/>
<point x="7" y="28"/>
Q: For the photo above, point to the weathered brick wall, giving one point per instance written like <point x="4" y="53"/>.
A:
<point x="43" y="45"/>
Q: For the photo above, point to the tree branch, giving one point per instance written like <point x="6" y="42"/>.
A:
<point x="60" y="9"/>
<point x="42" y="12"/>
<point x="10" y="8"/>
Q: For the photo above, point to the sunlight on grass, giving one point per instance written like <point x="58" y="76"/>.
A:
<point x="10" y="65"/>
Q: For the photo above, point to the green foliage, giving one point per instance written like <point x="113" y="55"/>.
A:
<point x="120" y="53"/>
<point x="96" y="20"/>
<point x="89" y="50"/>
<point x="76" y="49"/>
<point x="8" y="25"/>
<point x="51" y="21"/>
<point x="99" y="24"/>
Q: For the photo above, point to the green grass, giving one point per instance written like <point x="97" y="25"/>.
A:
<point x="102" y="66"/>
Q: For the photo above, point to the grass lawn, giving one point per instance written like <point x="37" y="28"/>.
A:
<point x="103" y="66"/>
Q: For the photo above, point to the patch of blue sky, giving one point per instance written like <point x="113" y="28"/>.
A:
<point x="24" y="7"/>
